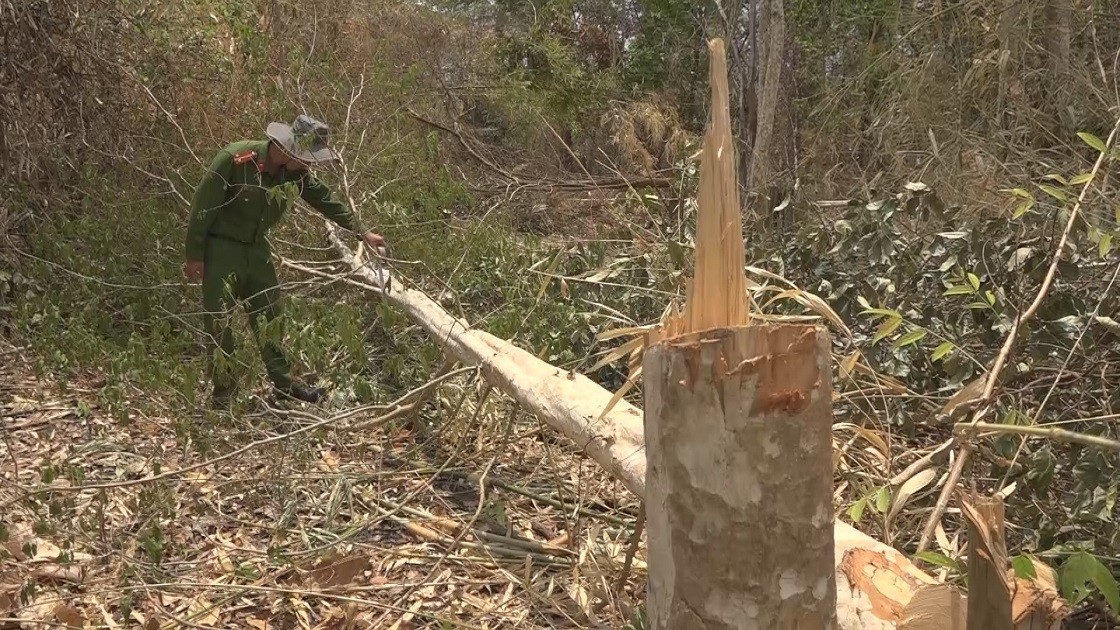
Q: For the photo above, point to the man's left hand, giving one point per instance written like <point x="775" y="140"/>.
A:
<point x="374" y="241"/>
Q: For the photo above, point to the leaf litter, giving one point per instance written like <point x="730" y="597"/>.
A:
<point x="328" y="529"/>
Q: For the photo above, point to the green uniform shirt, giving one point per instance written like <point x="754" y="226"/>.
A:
<point x="232" y="200"/>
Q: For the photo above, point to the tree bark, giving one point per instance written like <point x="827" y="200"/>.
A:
<point x="739" y="480"/>
<point x="773" y="30"/>
<point x="1059" y="34"/>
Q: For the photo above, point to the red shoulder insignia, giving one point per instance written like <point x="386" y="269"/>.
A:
<point x="244" y="157"/>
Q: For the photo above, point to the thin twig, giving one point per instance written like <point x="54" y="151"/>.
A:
<point x="635" y="539"/>
<point x="1052" y="433"/>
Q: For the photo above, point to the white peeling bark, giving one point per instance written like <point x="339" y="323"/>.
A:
<point x="739" y="480"/>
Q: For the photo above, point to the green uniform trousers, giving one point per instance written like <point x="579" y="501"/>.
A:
<point x="239" y="272"/>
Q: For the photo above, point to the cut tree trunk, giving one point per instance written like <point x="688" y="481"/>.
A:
<point x="739" y="484"/>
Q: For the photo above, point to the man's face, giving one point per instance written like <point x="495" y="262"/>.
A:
<point x="282" y="159"/>
<point x="292" y="164"/>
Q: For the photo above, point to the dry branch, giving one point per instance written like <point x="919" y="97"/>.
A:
<point x="989" y="598"/>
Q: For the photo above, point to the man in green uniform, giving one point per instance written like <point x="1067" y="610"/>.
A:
<point x="231" y="214"/>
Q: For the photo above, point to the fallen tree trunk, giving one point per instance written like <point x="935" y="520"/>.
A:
<point x="875" y="584"/>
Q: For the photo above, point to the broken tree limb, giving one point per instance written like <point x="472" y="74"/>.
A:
<point x="568" y="401"/>
<point x="989" y="598"/>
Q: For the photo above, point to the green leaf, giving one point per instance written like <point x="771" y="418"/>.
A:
<point x="973" y="280"/>
<point x="1109" y="588"/>
<point x="939" y="559"/>
<point x="979" y="306"/>
<point x="1024" y="567"/>
<point x="942" y="351"/>
<point x="991" y="297"/>
<point x="883" y="500"/>
<point x="1057" y="178"/>
<point x="963" y="289"/>
<point x="1054" y="192"/>
<point x="856" y="511"/>
<point x="1104" y="245"/>
<point x="1081" y="179"/>
<point x="912" y="337"/>
<point x="886" y="328"/>
<point x="1092" y="141"/>
<point x="883" y="312"/>
<point x="1022" y="208"/>
<point x="1082" y="569"/>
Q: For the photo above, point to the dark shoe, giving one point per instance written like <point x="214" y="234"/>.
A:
<point x="221" y="398"/>
<point x="303" y="392"/>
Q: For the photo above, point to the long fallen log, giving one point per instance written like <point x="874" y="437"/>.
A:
<point x="878" y="588"/>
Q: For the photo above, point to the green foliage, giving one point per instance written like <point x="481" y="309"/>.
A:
<point x="1083" y="575"/>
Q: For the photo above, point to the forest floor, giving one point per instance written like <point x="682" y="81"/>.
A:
<point x="302" y="517"/>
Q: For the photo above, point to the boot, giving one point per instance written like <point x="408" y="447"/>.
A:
<point x="302" y="391"/>
<point x="222" y="397"/>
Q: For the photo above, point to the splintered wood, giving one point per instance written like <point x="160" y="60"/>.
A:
<point x="738" y="423"/>
<point x="717" y="295"/>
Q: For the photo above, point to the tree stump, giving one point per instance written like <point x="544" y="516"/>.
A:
<point x="739" y="479"/>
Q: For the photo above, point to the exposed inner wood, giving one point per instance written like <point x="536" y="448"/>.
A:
<point x="717" y="295"/>
<point x="989" y="597"/>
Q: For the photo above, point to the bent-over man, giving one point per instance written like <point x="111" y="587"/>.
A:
<point x="231" y="214"/>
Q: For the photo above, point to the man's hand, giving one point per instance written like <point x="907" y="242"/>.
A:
<point x="194" y="269"/>
<point x="374" y="241"/>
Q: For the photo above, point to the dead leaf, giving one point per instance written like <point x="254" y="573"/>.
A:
<point x="55" y="573"/>
<point x="332" y="571"/>
<point x="908" y="489"/>
<point x="69" y="615"/>
<point x="204" y="613"/>
<point x="405" y="622"/>
<point x="330" y="460"/>
<point x="259" y="624"/>
<point x="224" y="563"/>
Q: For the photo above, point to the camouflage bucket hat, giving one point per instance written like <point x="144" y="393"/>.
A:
<point x="305" y="139"/>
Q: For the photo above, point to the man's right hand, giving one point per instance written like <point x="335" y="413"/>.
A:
<point x="194" y="269"/>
